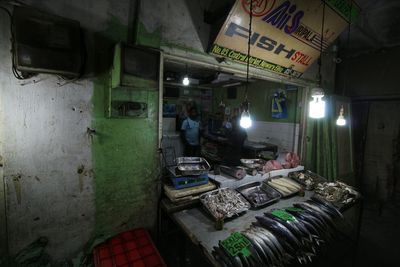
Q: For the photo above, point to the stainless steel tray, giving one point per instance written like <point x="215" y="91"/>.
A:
<point x="259" y="194"/>
<point x="316" y="179"/>
<point x="192" y="165"/>
<point x="224" y="203"/>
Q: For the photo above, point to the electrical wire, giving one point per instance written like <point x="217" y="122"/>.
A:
<point x="248" y="49"/>
<point x="14" y="70"/>
<point x="348" y="46"/>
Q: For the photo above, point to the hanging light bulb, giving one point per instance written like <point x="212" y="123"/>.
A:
<point x="186" y="81"/>
<point x="341" y="121"/>
<point x="245" y="118"/>
<point x="317" y="105"/>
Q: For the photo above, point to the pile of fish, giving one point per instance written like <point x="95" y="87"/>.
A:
<point x="224" y="203"/>
<point x="337" y="192"/>
<point x="272" y="165"/>
<point x="292" y="160"/>
<point x="284" y="185"/>
<point x="306" y="178"/>
<point x="285" y="236"/>
<point x="253" y="163"/>
<point x="235" y="172"/>
<point x="258" y="193"/>
<point x="259" y="197"/>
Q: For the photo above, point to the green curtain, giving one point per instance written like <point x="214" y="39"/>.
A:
<point x="321" y="147"/>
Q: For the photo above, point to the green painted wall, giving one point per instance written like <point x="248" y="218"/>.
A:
<point x="124" y="152"/>
<point x="260" y="96"/>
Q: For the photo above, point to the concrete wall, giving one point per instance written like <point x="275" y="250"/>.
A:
<point x="44" y="144"/>
<point x="58" y="184"/>
<point x="372" y="74"/>
<point x="177" y="22"/>
<point x="381" y="150"/>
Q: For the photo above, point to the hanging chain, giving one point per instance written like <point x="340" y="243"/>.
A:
<point x="321" y="47"/>
<point x="248" y="50"/>
<point x="348" y="46"/>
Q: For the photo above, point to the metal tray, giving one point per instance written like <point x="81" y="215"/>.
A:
<point x="248" y="191"/>
<point x="348" y="196"/>
<point x="315" y="178"/>
<point x="282" y="195"/>
<point x="192" y="165"/>
<point x="215" y="197"/>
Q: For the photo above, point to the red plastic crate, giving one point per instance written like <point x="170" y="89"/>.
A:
<point x="128" y="249"/>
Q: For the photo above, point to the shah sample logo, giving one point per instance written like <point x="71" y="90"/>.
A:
<point x="285" y="17"/>
<point x="260" y="7"/>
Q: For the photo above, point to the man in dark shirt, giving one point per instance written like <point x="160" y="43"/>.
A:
<point x="236" y="137"/>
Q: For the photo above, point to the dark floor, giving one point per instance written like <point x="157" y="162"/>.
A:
<point x="380" y="233"/>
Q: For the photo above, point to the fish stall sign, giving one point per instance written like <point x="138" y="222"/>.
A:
<point x="286" y="35"/>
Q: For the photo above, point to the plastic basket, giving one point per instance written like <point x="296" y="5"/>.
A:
<point x="128" y="249"/>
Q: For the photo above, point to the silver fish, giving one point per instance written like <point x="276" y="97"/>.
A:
<point x="272" y="239"/>
<point x="258" y="246"/>
<point x="270" y="247"/>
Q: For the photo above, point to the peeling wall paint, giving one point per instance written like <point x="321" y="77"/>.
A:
<point x="44" y="141"/>
<point x="124" y="155"/>
<point x="126" y="167"/>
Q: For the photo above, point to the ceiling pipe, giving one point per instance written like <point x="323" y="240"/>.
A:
<point x="133" y="22"/>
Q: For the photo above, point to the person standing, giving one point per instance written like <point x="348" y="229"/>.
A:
<point x="236" y="136"/>
<point x="190" y="130"/>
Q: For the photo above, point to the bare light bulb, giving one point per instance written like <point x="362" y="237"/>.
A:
<point x="186" y="81"/>
<point x="317" y="107"/>
<point x="341" y="121"/>
<point x="245" y="120"/>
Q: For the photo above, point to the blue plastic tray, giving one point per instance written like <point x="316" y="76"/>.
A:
<point x="189" y="181"/>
